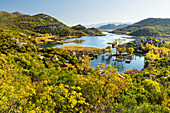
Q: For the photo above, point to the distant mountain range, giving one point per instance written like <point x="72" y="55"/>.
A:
<point x="147" y="27"/>
<point x="108" y="23"/>
<point x="113" y="26"/>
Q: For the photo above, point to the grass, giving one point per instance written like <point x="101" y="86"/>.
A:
<point x="45" y="39"/>
<point x="71" y="36"/>
<point x="81" y="48"/>
<point x="76" y="41"/>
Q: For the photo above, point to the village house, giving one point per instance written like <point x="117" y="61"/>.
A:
<point x="77" y="66"/>
<point x="19" y="42"/>
<point x="74" y="53"/>
<point x="160" y="41"/>
<point x="130" y="71"/>
<point x="54" y="58"/>
<point x="85" y="53"/>
<point x="65" y="65"/>
<point x="40" y="56"/>
<point x="80" y="55"/>
<point x="22" y="43"/>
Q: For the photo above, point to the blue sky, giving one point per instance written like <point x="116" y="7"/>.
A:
<point x="86" y="12"/>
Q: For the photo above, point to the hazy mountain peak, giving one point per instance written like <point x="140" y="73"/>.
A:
<point x="17" y="13"/>
<point x="106" y="23"/>
<point x="147" y="27"/>
<point x="113" y="26"/>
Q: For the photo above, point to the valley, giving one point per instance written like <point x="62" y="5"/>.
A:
<point x="47" y="66"/>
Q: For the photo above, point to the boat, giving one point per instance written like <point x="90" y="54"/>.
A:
<point x="127" y="60"/>
<point x="120" y="56"/>
<point x="139" y="51"/>
<point x="92" y="58"/>
<point x="118" y="59"/>
<point x="109" y="55"/>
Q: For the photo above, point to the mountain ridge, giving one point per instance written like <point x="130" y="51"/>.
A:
<point x="154" y="27"/>
<point x="17" y="13"/>
<point x="113" y="26"/>
<point x="101" y="24"/>
<point x="39" y="23"/>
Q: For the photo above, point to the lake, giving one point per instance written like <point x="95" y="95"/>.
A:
<point x="101" y="42"/>
<point x="97" y="41"/>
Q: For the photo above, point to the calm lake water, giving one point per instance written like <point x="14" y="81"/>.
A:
<point x="97" y="41"/>
<point x="101" y="42"/>
<point x="137" y="62"/>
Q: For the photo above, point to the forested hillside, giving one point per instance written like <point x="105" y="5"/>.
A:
<point x="53" y="80"/>
<point x="39" y="23"/>
<point x="148" y="27"/>
<point x="56" y="80"/>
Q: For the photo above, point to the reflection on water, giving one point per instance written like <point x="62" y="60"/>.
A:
<point x="137" y="62"/>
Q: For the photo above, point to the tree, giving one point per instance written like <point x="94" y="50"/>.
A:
<point x="130" y="50"/>
<point x="123" y="49"/>
<point x="120" y="41"/>
<point x="109" y="49"/>
<point x="120" y="49"/>
<point x="103" y="50"/>
<point x="99" y="89"/>
<point x="154" y="91"/>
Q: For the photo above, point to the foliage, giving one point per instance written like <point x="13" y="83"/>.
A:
<point x="30" y="81"/>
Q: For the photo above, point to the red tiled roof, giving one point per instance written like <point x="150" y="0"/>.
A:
<point x="133" y="70"/>
<point x="3" y="56"/>
<point x="77" y="66"/>
<point x="55" y="56"/>
<point x="67" y="64"/>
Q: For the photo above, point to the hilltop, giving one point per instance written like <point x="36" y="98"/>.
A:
<point x="147" y="27"/>
<point x="113" y="26"/>
<point x="83" y="29"/>
<point x="17" y="13"/>
<point x="38" y="24"/>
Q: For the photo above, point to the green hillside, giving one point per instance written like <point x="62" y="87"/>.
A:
<point x="83" y="30"/>
<point x="5" y="16"/>
<point x="147" y="27"/>
<point x="56" y="80"/>
<point x="38" y="24"/>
